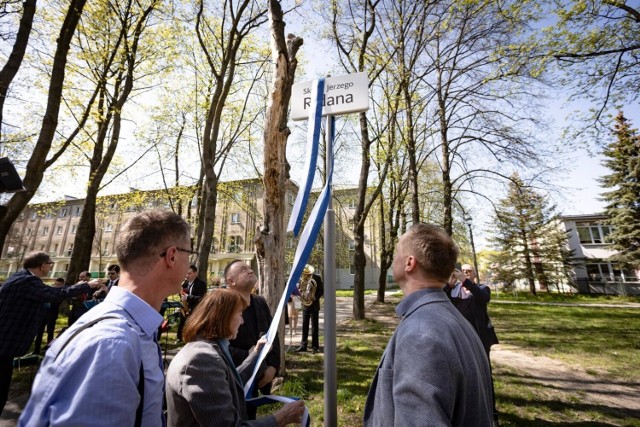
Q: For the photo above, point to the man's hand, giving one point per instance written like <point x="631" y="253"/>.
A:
<point x="95" y="284"/>
<point x="267" y="377"/>
<point x="460" y="276"/>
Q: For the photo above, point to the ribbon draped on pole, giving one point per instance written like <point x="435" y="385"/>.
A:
<point x="313" y="137"/>
<point x="310" y="231"/>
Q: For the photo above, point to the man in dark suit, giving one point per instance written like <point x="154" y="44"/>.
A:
<point x="310" y="307"/>
<point x="257" y="319"/>
<point x="22" y="308"/>
<point x="113" y="274"/>
<point x="193" y="289"/>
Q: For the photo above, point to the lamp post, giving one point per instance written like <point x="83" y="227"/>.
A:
<point x="467" y="218"/>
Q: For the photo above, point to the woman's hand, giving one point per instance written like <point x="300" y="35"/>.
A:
<point x="261" y="342"/>
<point x="291" y="413"/>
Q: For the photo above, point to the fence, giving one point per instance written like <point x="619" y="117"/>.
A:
<point x="602" y="287"/>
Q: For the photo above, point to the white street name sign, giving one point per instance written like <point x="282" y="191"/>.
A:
<point x="342" y="95"/>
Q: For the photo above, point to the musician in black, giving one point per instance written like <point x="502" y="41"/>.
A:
<point x="311" y="290"/>
<point x="193" y="289"/>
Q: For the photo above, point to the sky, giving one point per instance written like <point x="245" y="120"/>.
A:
<point x="580" y="193"/>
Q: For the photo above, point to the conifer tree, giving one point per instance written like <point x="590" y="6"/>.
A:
<point x="531" y="245"/>
<point x="623" y="197"/>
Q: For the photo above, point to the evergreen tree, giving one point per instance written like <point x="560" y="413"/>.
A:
<point x="623" y="198"/>
<point x="531" y="245"/>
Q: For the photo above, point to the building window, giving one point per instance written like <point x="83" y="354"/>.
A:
<point x="108" y="228"/>
<point x="74" y="228"/>
<point x="28" y="232"/>
<point x="605" y="271"/>
<point x="59" y="230"/>
<point x="55" y="249"/>
<point x="591" y="233"/>
<point x="63" y="212"/>
<point x="49" y="215"/>
<point x="78" y="211"/>
<point x="291" y="199"/>
<point x="34" y="216"/>
<point x="235" y="218"/>
<point x="45" y="231"/>
<point x="70" y="250"/>
<point x="235" y="244"/>
<point x="289" y="243"/>
<point x="351" y="204"/>
<point x="352" y="245"/>
<point x="352" y="269"/>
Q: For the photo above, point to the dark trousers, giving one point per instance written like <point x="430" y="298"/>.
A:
<point x="313" y="314"/>
<point x="181" y="326"/>
<point x="49" y="323"/>
<point x="6" y="370"/>
<point x="77" y="310"/>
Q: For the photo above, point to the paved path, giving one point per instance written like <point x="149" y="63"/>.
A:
<point x="344" y="310"/>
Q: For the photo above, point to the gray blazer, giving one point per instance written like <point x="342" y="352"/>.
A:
<point x="434" y="371"/>
<point x="202" y="389"/>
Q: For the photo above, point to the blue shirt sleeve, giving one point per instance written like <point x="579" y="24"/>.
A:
<point x="85" y="387"/>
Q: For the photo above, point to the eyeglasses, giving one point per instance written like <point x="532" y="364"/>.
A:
<point x="189" y="251"/>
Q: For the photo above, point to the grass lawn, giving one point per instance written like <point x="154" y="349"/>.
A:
<point x="602" y="340"/>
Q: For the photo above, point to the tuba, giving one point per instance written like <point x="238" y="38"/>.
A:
<point x="307" y="287"/>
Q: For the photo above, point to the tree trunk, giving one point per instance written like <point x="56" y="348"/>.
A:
<point x="270" y="241"/>
<point x="447" y="186"/>
<point x="210" y="201"/>
<point x="35" y="166"/>
<point x="83" y="242"/>
<point x="12" y="66"/>
<point x="359" y="217"/>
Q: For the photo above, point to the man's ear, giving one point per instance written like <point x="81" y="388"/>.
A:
<point x="410" y="263"/>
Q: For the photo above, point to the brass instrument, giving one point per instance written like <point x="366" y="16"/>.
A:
<point x="184" y="310"/>
<point x="307" y="287"/>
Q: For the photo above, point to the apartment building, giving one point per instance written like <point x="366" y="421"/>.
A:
<point x="52" y="227"/>
<point x="594" y="270"/>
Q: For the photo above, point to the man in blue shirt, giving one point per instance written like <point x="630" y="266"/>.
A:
<point x="110" y="358"/>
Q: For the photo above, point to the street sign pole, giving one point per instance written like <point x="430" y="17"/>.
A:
<point x="330" y="359"/>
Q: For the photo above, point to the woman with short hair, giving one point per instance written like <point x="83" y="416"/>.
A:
<point x="203" y="386"/>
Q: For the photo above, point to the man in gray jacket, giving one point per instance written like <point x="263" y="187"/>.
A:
<point x="434" y="370"/>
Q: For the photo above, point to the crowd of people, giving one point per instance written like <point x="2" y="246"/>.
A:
<point x="435" y="369"/>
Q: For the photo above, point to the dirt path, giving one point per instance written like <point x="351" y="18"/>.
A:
<point x="565" y="378"/>
<point x="557" y="376"/>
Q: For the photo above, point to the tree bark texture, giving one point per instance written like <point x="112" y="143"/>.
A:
<point x="35" y="166"/>
<point x="12" y="66"/>
<point x="270" y="242"/>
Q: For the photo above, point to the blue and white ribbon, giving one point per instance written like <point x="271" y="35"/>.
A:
<point x="313" y="139"/>
<point x="303" y="252"/>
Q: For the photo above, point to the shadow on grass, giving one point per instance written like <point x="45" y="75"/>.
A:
<point x="517" y="393"/>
